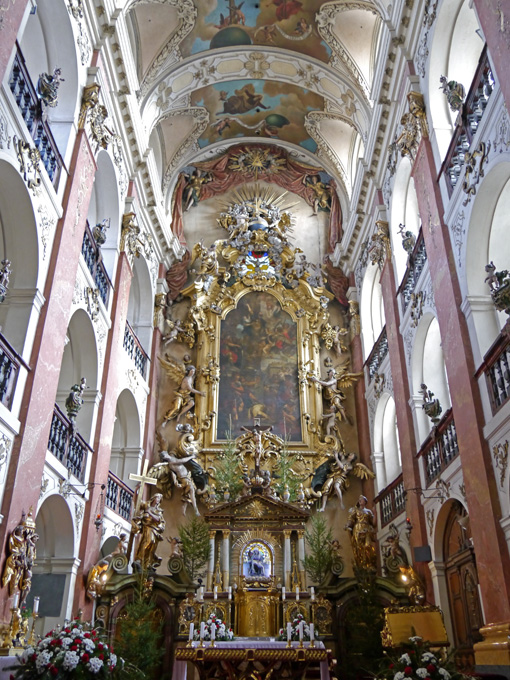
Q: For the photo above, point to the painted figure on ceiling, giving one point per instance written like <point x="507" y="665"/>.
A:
<point x="242" y="101"/>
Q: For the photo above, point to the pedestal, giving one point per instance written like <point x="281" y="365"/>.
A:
<point x="492" y="655"/>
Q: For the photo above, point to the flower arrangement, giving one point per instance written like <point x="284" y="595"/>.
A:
<point x="294" y="629"/>
<point x="221" y="631"/>
<point x="418" y="662"/>
<point x="72" y="652"/>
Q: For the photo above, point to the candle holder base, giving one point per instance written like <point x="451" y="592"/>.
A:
<point x="11" y="651"/>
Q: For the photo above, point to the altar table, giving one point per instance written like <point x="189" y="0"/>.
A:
<point x="180" y="665"/>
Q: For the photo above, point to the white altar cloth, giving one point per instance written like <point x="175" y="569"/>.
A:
<point x="180" y="667"/>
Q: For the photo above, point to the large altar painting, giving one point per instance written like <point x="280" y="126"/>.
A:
<point x="258" y="368"/>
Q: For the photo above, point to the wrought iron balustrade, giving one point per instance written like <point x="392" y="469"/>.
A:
<point x="378" y="353"/>
<point x="392" y="500"/>
<point x="29" y="104"/>
<point x="119" y="497"/>
<point x="135" y="350"/>
<point x="415" y="267"/>
<point x="440" y="447"/>
<point x="472" y="113"/>
<point x="67" y="445"/>
<point x="93" y="259"/>
<point x="10" y="363"/>
<point x="496" y="366"/>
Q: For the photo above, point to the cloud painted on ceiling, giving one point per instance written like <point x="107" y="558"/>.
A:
<point x="289" y="24"/>
<point x="257" y="108"/>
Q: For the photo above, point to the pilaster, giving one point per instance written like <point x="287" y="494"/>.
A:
<point x="11" y="19"/>
<point x="495" y="22"/>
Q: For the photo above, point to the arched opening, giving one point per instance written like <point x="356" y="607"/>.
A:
<point x="56" y="564"/>
<point x="126" y="443"/>
<point x="139" y="314"/>
<point x="371" y="308"/>
<point x="404" y="210"/>
<point x="386" y="444"/>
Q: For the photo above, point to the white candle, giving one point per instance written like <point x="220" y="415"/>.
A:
<point x="215" y="592"/>
<point x="312" y="593"/>
<point x="202" y="630"/>
<point x="230" y="592"/>
<point x="15" y="600"/>
<point x="213" y="632"/>
<point x="36" y="605"/>
<point x="191" y="630"/>
<point x="300" y="631"/>
<point x="283" y="593"/>
<point x="297" y="593"/>
<point x="202" y="592"/>
<point x="289" y="631"/>
<point x="311" y="632"/>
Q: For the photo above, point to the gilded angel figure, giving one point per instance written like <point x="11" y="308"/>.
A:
<point x="184" y="376"/>
<point x="338" y="468"/>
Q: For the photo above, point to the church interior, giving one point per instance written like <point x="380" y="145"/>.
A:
<point x="254" y="330"/>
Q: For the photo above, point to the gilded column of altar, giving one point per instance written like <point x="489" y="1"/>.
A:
<point x="287" y="566"/>
<point x="226" y="559"/>
<point x="301" y="557"/>
<point x="210" y="570"/>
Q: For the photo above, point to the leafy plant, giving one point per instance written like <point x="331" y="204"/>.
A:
<point x="319" y="557"/>
<point x="284" y="473"/>
<point x="228" y="469"/>
<point x="195" y="546"/>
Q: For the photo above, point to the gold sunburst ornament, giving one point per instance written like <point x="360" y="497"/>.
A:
<point x="257" y="161"/>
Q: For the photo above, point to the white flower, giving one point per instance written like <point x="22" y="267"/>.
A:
<point x="43" y="659"/>
<point x="89" y="645"/>
<point x="71" y="660"/>
<point x="427" y="657"/>
<point x="444" y="673"/>
<point x="26" y="654"/>
<point x="405" y="658"/>
<point x="113" y="660"/>
<point x="399" y="676"/>
<point x="416" y="638"/>
<point x="67" y="642"/>
<point x="422" y="672"/>
<point x="95" y="664"/>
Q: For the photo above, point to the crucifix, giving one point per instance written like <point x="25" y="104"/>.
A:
<point x="256" y="430"/>
<point x="143" y="479"/>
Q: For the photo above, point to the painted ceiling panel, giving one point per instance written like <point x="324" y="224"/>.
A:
<point x="154" y="24"/>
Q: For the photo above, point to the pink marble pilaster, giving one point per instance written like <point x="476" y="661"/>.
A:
<point x="114" y="364"/>
<point x="494" y="16"/>
<point x="491" y="550"/>
<point x="365" y="446"/>
<point x="11" y="16"/>
<point x="152" y="402"/>
<point x="406" y="434"/>
<point x="29" y="449"/>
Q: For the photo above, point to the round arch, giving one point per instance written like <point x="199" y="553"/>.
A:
<point x="127" y="438"/>
<point x="386" y="441"/>
<point x="371" y="308"/>
<point x="141" y="304"/>
<point x="18" y="243"/>
<point x="404" y="210"/>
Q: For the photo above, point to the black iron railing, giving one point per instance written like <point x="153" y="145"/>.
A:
<point x="119" y="497"/>
<point x="93" y="258"/>
<point x="496" y="366"/>
<point x="29" y="104"/>
<point x="376" y="356"/>
<point x="472" y="113"/>
<point x="10" y="363"/>
<point x="67" y="445"/>
<point x="135" y="350"/>
<point x="415" y="265"/>
<point x="440" y="447"/>
<point x="392" y="500"/>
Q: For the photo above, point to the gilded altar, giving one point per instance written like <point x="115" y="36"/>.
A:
<point x="256" y="612"/>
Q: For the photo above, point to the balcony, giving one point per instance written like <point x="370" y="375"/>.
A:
<point x="119" y="497"/>
<point x="392" y="500"/>
<point x="472" y="113"/>
<point x="135" y="350"/>
<point x="440" y="448"/>
<point x="377" y="355"/>
<point x="496" y="366"/>
<point x="67" y="445"/>
<point x="10" y="363"/>
<point x="29" y="105"/>
<point x="93" y="259"/>
<point x="414" y="269"/>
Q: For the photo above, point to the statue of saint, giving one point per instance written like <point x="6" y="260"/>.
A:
<point x="149" y="521"/>
<point x="361" y="526"/>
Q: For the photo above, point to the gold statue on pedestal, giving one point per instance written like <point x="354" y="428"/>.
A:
<point x="150" y="523"/>
<point x="361" y="526"/>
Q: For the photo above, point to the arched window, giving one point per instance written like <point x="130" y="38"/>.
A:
<point x="386" y="442"/>
<point x="371" y="308"/>
<point x="404" y="210"/>
<point x="126" y="442"/>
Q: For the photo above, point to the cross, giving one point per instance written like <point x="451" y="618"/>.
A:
<point x="143" y="479"/>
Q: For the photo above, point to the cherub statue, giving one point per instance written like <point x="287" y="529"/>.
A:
<point x="47" y="87"/>
<point x="431" y="405"/>
<point x="184" y="375"/>
<point x="173" y="329"/>
<point x="193" y="188"/>
<point x="74" y="401"/>
<point x="340" y="466"/>
<point x="413" y="585"/>
<point x="495" y="279"/>
<point x="455" y="93"/>
<point x="209" y="266"/>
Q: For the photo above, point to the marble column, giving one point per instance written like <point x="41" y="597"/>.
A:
<point x="28" y="455"/>
<point x="226" y="559"/>
<point x="110" y="388"/>
<point x="212" y="555"/>
<point x="287" y="556"/>
<point x="492" y="557"/>
<point x="301" y="557"/>
<point x="401" y="393"/>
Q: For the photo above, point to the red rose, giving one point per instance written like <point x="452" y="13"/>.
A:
<point x="100" y="656"/>
<point x="408" y="670"/>
<point x="78" y="641"/>
<point x="431" y="668"/>
<point x="73" y="648"/>
<point x="412" y="652"/>
<point x="392" y="665"/>
<point x="54" y="670"/>
<point x="85" y="657"/>
<point x="100" y="645"/>
<point x="87" y="635"/>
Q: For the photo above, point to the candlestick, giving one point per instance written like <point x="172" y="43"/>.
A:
<point x="312" y="635"/>
<point x="230" y="592"/>
<point x="191" y="630"/>
<point x="289" y="634"/>
<point x="215" y="592"/>
<point x="283" y="593"/>
<point x="36" y="605"/>
<point x="15" y="600"/>
<point x="312" y="593"/>
<point x="300" y="633"/>
<point x="213" y="632"/>
<point x="297" y="593"/>
<point x="202" y="633"/>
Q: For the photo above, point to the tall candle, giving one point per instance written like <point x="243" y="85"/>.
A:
<point x="15" y="600"/>
<point x="297" y="593"/>
<point x="36" y="605"/>
<point x="312" y="593"/>
<point x="215" y="592"/>
<point x="230" y="592"/>
<point x="283" y="593"/>
<point x="300" y="631"/>
<point x="289" y="631"/>
<point x="213" y="632"/>
<point x="191" y="630"/>
<point x="202" y="630"/>
<point x="312" y="637"/>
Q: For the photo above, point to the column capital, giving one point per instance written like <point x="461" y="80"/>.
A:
<point x="287" y="533"/>
<point x="212" y="533"/>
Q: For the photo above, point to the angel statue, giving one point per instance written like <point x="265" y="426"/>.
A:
<point x="333" y="395"/>
<point x="209" y="266"/>
<point x="173" y="329"/>
<point x="338" y="469"/>
<point x="172" y="471"/>
<point x="185" y="377"/>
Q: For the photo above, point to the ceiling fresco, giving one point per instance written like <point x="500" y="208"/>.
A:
<point x="257" y="108"/>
